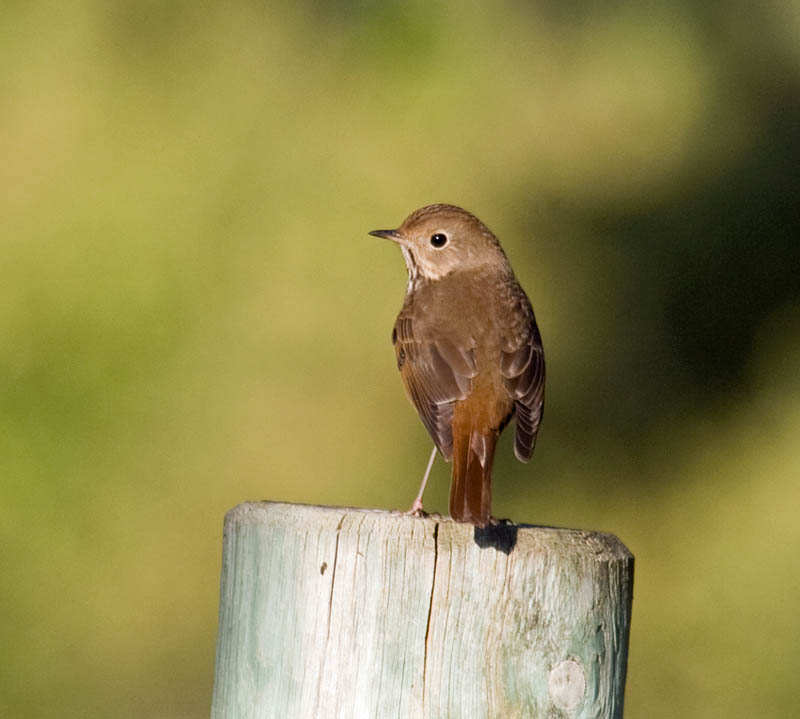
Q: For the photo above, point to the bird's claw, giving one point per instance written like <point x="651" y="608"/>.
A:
<point x="416" y="510"/>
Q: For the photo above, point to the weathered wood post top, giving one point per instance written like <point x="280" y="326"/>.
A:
<point x="335" y="612"/>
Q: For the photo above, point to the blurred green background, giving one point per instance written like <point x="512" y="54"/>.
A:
<point x="193" y="315"/>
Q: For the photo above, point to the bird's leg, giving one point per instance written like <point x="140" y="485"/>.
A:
<point x="416" y="508"/>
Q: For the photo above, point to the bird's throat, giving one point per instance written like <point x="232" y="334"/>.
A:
<point x="413" y="270"/>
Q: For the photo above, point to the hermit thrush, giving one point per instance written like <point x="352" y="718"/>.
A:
<point x="468" y="349"/>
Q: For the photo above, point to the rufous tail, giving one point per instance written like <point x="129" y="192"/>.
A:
<point x="471" y="486"/>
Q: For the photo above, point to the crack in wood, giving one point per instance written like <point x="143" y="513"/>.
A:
<point x="333" y="577"/>
<point x="330" y="613"/>
<point x="430" y="612"/>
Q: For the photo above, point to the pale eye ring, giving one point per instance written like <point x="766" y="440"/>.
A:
<point x="439" y="240"/>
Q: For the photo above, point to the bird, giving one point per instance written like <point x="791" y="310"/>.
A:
<point x="468" y="349"/>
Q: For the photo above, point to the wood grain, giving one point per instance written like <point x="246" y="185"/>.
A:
<point x="335" y="612"/>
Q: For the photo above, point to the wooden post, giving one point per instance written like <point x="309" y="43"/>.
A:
<point x="331" y="612"/>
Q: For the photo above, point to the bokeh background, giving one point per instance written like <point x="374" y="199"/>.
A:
<point x="193" y="315"/>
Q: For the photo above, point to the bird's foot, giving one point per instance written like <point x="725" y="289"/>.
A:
<point x="497" y="522"/>
<point x="416" y="509"/>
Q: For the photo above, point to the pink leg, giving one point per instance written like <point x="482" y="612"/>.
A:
<point x="416" y="508"/>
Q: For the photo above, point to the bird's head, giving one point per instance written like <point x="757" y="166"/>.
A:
<point x="440" y="239"/>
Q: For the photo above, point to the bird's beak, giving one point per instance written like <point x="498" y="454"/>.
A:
<point x="393" y="235"/>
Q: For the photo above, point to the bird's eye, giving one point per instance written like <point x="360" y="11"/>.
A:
<point x="439" y="240"/>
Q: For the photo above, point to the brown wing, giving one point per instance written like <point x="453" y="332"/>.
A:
<point x="522" y="366"/>
<point x="436" y="373"/>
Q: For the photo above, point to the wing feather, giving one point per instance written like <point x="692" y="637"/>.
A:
<point x="436" y="373"/>
<point x="522" y="367"/>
